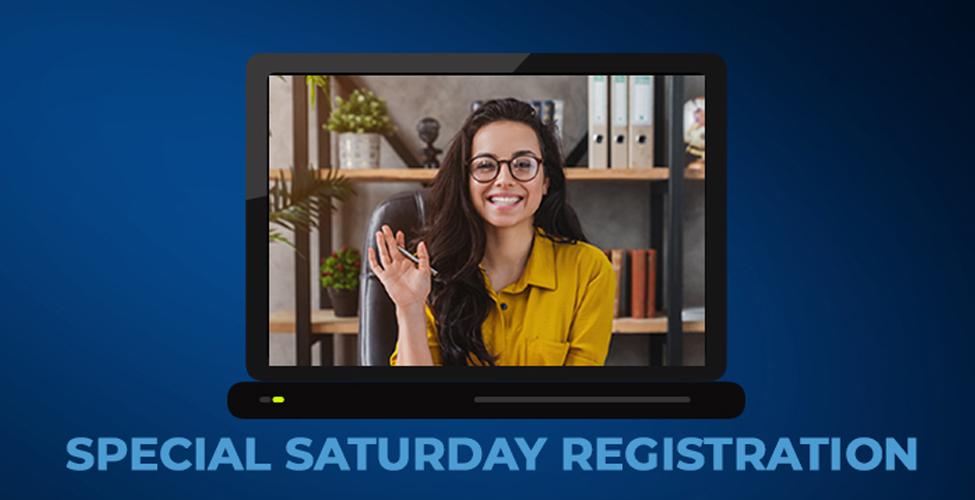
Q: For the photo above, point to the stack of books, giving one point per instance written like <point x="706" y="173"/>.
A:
<point x="636" y="282"/>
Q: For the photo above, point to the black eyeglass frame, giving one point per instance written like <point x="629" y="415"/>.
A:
<point x="470" y="164"/>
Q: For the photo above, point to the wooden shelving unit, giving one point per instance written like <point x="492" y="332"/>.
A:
<point x="321" y="323"/>
<point x="324" y="321"/>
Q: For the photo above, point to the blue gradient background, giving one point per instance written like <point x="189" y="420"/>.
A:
<point x="849" y="245"/>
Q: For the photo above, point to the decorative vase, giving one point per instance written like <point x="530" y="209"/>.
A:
<point x="344" y="302"/>
<point x="358" y="150"/>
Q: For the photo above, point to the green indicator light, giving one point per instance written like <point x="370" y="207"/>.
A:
<point x="277" y="399"/>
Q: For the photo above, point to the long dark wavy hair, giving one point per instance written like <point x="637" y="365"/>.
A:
<point x="455" y="235"/>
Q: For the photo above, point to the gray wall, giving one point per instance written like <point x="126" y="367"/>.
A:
<point x="614" y="214"/>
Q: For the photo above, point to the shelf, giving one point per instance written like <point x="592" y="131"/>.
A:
<point x="572" y="174"/>
<point x="652" y="325"/>
<point x="322" y="321"/>
<point x="325" y="321"/>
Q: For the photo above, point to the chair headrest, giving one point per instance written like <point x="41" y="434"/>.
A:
<point x="404" y="211"/>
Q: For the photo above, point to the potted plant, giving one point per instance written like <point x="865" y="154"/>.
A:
<point x="340" y="276"/>
<point x="359" y="123"/>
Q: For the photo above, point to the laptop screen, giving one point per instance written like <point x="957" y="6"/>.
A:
<point x="528" y="219"/>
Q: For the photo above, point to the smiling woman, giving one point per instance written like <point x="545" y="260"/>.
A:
<point x="518" y="284"/>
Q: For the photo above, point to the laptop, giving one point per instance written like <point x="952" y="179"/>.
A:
<point x="341" y="145"/>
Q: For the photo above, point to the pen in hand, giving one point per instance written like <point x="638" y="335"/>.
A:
<point x="406" y="253"/>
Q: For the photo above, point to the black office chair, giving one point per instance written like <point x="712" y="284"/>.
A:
<point x="377" y="314"/>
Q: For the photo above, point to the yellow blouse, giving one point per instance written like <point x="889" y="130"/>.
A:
<point x="558" y="313"/>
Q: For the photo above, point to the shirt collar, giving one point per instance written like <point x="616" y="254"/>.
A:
<point x="540" y="269"/>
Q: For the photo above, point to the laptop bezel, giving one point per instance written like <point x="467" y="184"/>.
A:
<point x="261" y="67"/>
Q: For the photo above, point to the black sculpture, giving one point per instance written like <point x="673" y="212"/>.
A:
<point x="428" y="129"/>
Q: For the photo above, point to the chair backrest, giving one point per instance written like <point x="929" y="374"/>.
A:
<point x="377" y="314"/>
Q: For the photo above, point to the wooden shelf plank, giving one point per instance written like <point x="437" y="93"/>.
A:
<point x="325" y="321"/>
<point x="322" y="321"/>
<point x="572" y="174"/>
<point x="652" y="325"/>
<point x="629" y="174"/>
<point x="390" y="174"/>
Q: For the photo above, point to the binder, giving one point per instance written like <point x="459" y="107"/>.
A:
<point x="560" y="120"/>
<point x="638" y="282"/>
<point x="616" y="259"/>
<point x="548" y="111"/>
<point x="651" y="308"/>
<point x="618" y="110"/>
<point x="598" y="121"/>
<point x="624" y="304"/>
<point x="641" y="121"/>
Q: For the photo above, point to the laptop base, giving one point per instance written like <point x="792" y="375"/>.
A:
<point x="485" y="400"/>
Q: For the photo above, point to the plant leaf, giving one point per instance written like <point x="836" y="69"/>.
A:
<point x="298" y="203"/>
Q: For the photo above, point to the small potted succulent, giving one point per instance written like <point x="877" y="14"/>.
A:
<point x="340" y="276"/>
<point x="359" y="123"/>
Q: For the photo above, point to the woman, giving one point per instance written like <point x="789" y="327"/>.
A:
<point x="517" y="283"/>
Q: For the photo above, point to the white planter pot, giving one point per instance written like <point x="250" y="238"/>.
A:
<point x="358" y="150"/>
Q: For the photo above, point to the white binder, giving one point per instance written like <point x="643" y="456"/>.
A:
<point x="618" y="119"/>
<point x="598" y="121"/>
<point x="560" y="120"/>
<point x="641" y="121"/>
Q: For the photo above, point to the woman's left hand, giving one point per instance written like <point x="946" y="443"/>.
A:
<point x="407" y="284"/>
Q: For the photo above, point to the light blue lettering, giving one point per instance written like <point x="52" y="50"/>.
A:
<point x="166" y="454"/>
<point x="139" y="452"/>
<point x="201" y="462"/>
<point x="685" y="448"/>
<point x="603" y="452"/>
<point x="500" y="453"/>
<point x="250" y="445"/>
<point x="530" y="452"/>
<point x="907" y="458"/>
<point x="225" y="454"/>
<point x="813" y="444"/>
<point x="75" y="451"/>
<point x="784" y="453"/>
<point x="571" y="457"/>
<point x="455" y="446"/>
<point x="105" y="457"/>
<point x="294" y="450"/>
<point x="743" y="457"/>
<point x="433" y="457"/>
<point x="631" y="457"/>
<point x="361" y="451"/>
<point x="875" y="453"/>
<point x="331" y="454"/>
<point x="717" y="456"/>
<point x="400" y="463"/>
<point x="668" y="453"/>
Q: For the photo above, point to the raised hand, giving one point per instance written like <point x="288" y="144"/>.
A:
<point x="406" y="283"/>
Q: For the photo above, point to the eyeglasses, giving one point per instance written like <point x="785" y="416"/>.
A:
<point x="523" y="167"/>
